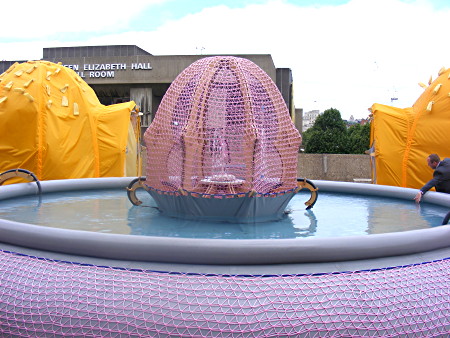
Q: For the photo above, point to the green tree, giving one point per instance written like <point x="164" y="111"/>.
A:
<point x="358" y="138"/>
<point x="327" y="135"/>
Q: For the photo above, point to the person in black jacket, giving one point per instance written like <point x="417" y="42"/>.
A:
<point x="441" y="176"/>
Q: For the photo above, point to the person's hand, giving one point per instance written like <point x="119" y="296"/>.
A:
<point x="418" y="197"/>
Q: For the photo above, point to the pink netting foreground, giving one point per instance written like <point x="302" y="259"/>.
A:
<point x="222" y="128"/>
<point x="46" y="298"/>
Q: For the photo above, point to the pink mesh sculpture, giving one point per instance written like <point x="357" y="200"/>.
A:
<point x="222" y="132"/>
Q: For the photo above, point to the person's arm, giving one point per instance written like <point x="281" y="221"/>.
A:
<point x="437" y="176"/>
<point x="430" y="184"/>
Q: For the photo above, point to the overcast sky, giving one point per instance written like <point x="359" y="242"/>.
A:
<point x="345" y="54"/>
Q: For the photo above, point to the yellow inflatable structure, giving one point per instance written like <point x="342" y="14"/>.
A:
<point x="401" y="139"/>
<point x="52" y="124"/>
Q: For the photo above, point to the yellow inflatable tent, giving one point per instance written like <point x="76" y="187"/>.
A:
<point x="401" y="139"/>
<point x="52" y="124"/>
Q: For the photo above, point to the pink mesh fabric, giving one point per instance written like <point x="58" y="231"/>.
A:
<point x="222" y="127"/>
<point x="47" y="298"/>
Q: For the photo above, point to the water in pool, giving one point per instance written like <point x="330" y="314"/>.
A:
<point x="334" y="215"/>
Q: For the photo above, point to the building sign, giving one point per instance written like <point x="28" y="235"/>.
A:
<point x="106" y="70"/>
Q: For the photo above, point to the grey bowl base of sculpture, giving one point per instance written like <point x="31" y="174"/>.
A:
<point x="236" y="208"/>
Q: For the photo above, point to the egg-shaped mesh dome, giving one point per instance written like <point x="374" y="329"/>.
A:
<point x="222" y="129"/>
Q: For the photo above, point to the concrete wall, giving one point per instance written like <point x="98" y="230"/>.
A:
<point x="334" y="167"/>
<point x="157" y="69"/>
<point x="330" y="167"/>
<point x="284" y="84"/>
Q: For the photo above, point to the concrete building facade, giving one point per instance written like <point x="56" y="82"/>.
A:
<point x="126" y="72"/>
